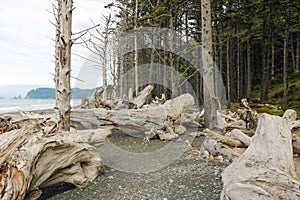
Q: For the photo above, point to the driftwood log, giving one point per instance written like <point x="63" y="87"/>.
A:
<point x="141" y="98"/>
<point x="94" y="101"/>
<point x="34" y="156"/>
<point x="266" y="169"/>
<point x="163" y="120"/>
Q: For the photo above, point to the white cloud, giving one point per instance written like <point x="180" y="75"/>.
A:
<point x="26" y="53"/>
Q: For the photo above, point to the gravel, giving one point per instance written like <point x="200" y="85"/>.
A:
<point x="190" y="177"/>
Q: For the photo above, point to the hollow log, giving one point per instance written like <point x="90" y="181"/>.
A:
<point x="161" y="120"/>
<point x="266" y="169"/>
<point x="31" y="159"/>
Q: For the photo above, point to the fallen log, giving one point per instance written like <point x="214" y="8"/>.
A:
<point x="239" y="135"/>
<point x="161" y="120"/>
<point x="224" y="139"/>
<point x="31" y="159"/>
<point x="266" y="169"/>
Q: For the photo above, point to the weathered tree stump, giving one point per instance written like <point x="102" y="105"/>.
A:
<point x="266" y="169"/>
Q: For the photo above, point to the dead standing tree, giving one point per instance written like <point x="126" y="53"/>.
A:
<point x="210" y="114"/>
<point x="63" y="63"/>
<point x="99" y="45"/>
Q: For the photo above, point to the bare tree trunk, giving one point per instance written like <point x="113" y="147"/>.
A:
<point x="57" y="51"/>
<point x="285" y="58"/>
<point x="136" y="70"/>
<point x="297" y="52"/>
<point x="238" y="66"/>
<point x="298" y="41"/>
<point x="208" y="67"/>
<point x="273" y="59"/>
<point x="63" y="72"/>
<point x="264" y="79"/>
<point x="228" y="72"/>
<point x="285" y="76"/>
<point x="121" y="76"/>
<point x="153" y="36"/>
<point x="221" y="55"/>
<point x="249" y="70"/>
<point x="108" y="21"/>
<point x="293" y="52"/>
<point x="171" y="50"/>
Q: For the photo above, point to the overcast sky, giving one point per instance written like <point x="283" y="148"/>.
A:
<point x="26" y="48"/>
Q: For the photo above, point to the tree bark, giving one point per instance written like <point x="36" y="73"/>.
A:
<point x="297" y="52"/>
<point x="293" y="52"/>
<point x="298" y="40"/>
<point x="238" y="66"/>
<point x="273" y="59"/>
<point x="228" y="72"/>
<point x="265" y="67"/>
<point x="285" y="58"/>
<point x="249" y="73"/>
<point x="208" y="66"/>
<point x="266" y="169"/>
<point x="136" y="69"/>
<point x="63" y="72"/>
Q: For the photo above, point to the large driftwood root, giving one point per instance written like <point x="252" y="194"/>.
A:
<point x="266" y="169"/>
<point x="31" y="159"/>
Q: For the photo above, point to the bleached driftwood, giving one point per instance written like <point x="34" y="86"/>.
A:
<point x="266" y="169"/>
<point x="141" y="97"/>
<point x="290" y="115"/>
<point x="162" y="120"/>
<point x="94" y="101"/>
<point x="6" y="124"/>
<point x="158" y="100"/>
<point x="31" y="158"/>
<point x="224" y="139"/>
<point x="239" y="135"/>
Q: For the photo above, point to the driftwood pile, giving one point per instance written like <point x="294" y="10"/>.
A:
<point x="235" y="130"/>
<point x="263" y="150"/>
<point x="34" y="155"/>
<point x="266" y="169"/>
<point x="6" y="124"/>
<point x="160" y="119"/>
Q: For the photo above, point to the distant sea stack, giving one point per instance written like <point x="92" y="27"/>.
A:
<point x="49" y="93"/>
<point x="41" y="93"/>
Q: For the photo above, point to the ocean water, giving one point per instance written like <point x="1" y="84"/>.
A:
<point x="15" y="105"/>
